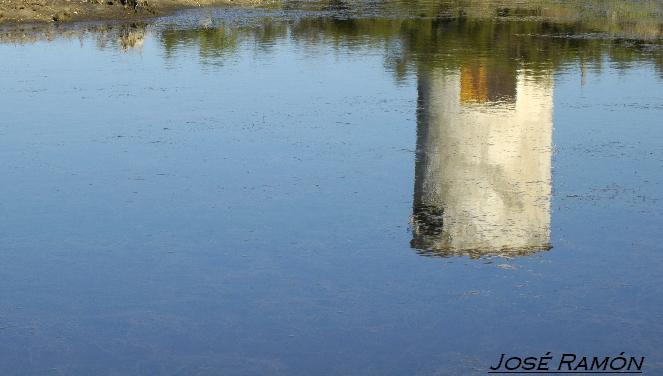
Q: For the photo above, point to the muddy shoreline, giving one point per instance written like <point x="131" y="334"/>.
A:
<point x="59" y="11"/>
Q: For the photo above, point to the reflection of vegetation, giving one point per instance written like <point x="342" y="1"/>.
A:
<point x="446" y="35"/>
<point x="211" y="42"/>
<point x="221" y="41"/>
<point x="536" y="34"/>
<point x="450" y="43"/>
<point x="115" y="36"/>
<point x="132" y="36"/>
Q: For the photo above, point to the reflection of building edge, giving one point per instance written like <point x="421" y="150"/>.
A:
<point x="482" y="174"/>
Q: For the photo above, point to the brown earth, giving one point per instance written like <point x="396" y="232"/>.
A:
<point x="19" y="11"/>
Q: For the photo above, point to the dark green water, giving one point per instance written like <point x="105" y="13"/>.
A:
<point x="332" y="188"/>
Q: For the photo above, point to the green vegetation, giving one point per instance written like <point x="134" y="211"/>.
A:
<point x="539" y="35"/>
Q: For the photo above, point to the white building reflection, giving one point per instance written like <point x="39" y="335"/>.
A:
<point x="483" y="168"/>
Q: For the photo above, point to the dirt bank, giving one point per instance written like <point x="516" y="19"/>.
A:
<point x="19" y="11"/>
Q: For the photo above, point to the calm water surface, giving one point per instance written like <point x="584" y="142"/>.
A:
<point x="325" y="190"/>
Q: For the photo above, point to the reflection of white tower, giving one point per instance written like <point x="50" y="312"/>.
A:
<point x="483" y="178"/>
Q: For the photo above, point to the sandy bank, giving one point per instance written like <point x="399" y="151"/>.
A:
<point x="18" y="11"/>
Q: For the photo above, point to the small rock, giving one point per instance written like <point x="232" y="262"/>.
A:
<point x="62" y="16"/>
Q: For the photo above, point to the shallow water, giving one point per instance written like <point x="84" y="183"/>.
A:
<point x="328" y="191"/>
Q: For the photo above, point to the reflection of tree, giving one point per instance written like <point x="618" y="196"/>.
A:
<point x="126" y="37"/>
<point x="131" y="36"/>
<point x="450" y="39"/>
<point x="451" y="42"/>
<point x="211" y="42"/>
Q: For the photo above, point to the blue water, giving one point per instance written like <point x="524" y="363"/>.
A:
<point x="249" y="212"/>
